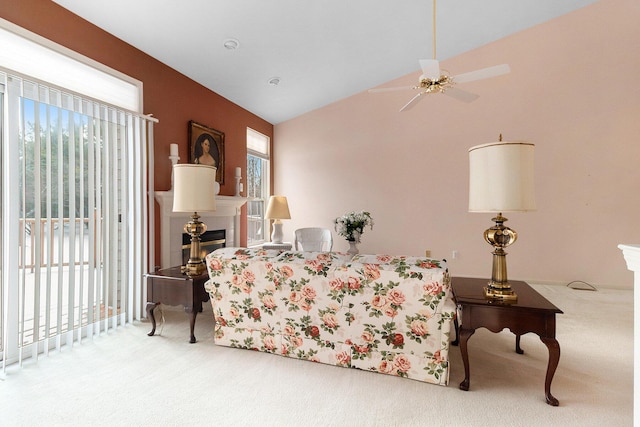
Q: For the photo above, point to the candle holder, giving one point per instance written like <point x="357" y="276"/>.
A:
<point x="238" y="186"/>
<point x="174" y="161"/>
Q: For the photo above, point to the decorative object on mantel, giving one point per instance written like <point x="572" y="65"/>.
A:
<point x="238" y="183"/>
<point x="277" y="209"/>
<point x="501" y="180"/>
<point x="174" y="157"/>
<point x="207" y="148"/>
<point x="351" y="226"/>
<point x="194" y="192"/>
<point x="173" y="151"/>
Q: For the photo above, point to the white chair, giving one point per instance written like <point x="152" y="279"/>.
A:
<point x="313" y="239"/>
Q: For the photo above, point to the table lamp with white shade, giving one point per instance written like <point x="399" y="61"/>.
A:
<point x="194" y="191"/>
<point x="501" y="179"/>
<point x="277" y="209"/>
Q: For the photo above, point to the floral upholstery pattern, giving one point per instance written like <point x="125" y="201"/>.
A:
<point x="381" y="313"/>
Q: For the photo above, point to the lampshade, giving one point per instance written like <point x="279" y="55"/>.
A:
<point x="501" y="177"/>
<point x="278" y="208"/>
<point x="194" y="188"/>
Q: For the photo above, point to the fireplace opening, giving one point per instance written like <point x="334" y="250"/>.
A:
<point x="209" y="242"/>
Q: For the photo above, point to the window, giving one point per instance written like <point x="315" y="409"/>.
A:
<point x="44" y="60"/>
<point x="257" y="186"/>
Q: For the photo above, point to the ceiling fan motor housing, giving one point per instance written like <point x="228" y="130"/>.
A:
<point x="439" y="85"/>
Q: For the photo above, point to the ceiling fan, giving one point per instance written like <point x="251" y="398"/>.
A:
<point x="435" y="80"/>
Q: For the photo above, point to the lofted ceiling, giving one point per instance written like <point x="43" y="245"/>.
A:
<point x="321" y="51"/>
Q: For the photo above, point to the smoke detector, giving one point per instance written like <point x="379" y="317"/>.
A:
<point x="231" y="44"/>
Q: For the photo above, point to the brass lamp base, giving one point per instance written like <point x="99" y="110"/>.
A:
<point x="505" y="294"/>
<point x="193" y="269"/>
<point x="500" y="236"/>
<point x="195" y="228"/>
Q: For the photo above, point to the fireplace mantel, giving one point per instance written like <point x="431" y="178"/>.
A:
<point x="631" y="254"/>
<point x="226" y="216"/>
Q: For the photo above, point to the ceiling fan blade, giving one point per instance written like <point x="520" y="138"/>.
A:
<point x="412" y="102"/>
<point x="389" y="89"/>
<point x="430" y="68"/>
<point x="484" y="73"/>
<point x="461" y="95"/>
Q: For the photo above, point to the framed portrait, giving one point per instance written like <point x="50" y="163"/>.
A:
<point x="207" y="147"/>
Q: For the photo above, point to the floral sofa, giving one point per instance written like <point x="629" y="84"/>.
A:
<point x="387" y="314"/>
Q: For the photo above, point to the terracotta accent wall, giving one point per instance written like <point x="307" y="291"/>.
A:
<point x="171" y="97"/>
<point x="572" y="91"/>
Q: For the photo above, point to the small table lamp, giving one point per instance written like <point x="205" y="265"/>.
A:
<point x="277" y="209"/>
<point x="501" y="180"/>
<point x="194" y="191"/>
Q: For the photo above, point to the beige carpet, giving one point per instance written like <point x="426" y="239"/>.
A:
<point x="126" y="378"/>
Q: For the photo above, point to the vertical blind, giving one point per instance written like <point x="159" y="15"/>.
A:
<point x="74" y="215"/>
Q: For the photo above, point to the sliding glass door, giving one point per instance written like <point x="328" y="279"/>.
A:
<point x="73" y="175"/>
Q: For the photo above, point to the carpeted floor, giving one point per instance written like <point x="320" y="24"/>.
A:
<point x="126" y="378"/>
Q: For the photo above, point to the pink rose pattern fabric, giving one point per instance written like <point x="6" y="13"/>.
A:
<point x="381" y="313"/>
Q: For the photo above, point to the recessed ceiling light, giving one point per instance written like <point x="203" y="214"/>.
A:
<point x="231" y="44"/>
<point x="274" y="81"/>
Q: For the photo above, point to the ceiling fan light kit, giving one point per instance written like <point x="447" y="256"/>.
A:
<point x="433" y="80"/>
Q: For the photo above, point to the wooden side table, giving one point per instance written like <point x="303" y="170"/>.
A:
<point x="170" y="286"/>
<point x="530" y="313"/>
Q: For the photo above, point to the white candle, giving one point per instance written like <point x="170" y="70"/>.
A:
<point x="173" y="150"/>
<point x="238" y="171"/>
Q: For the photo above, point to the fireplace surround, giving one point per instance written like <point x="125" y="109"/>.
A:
<point x="226" y="217"/>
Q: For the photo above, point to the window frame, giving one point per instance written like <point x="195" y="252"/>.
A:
<point x="256" y="206"/>
<point x="30" y="54"/>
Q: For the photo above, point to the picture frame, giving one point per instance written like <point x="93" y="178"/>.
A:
<point x="199" y="136"/>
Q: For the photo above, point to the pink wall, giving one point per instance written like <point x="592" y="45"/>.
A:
<point x="573" y="91"/>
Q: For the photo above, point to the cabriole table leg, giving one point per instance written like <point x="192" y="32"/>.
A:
<point x="150" y="307"/>
<point x="192" y="323"/>
<point x="464" y="337"/>
<point x="554" y="357"/>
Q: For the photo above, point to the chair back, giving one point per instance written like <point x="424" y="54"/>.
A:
<point x="314" y="239"/>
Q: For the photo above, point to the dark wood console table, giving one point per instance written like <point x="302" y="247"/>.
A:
<point x="530" y="313"/>
<point x="170" y="286"/>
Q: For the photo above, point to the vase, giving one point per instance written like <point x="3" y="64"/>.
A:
<point x="353" y="247"/>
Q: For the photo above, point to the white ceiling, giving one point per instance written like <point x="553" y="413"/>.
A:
<point x="322" y="50"/>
